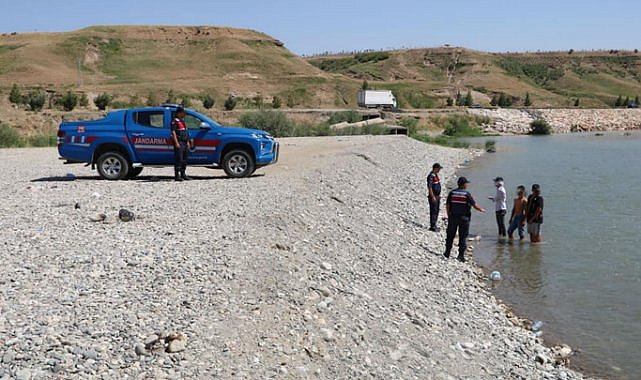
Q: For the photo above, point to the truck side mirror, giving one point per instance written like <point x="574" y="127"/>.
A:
<point x="204" y="125"/>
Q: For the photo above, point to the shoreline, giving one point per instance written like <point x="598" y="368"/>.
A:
<point x="318" y="267"/>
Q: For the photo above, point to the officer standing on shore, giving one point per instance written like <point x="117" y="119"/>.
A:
<point x="182" y="144"/>
<point x="459" y="205"/>
<point x="434" y="195"/>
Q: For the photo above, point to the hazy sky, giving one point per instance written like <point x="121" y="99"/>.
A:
<point x="308" y="27"/>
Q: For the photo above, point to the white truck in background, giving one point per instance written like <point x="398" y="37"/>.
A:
<point x="376" y="99"/>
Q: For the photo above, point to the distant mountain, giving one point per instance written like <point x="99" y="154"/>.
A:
<point x="132" y="62"/>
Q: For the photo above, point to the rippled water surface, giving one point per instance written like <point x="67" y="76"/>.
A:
<point x="584" y="281"/>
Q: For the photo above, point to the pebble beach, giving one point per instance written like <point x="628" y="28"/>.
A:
<point x="318" y="267"/>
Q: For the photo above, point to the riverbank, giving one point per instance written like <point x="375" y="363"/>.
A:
<point x="320" y="266"/>
<point x="517" y="121"/>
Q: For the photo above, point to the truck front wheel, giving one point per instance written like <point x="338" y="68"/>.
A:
<point x="113" y="166"/>
<point x="238" y="163"/>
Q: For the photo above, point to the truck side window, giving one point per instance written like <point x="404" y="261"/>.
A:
<point x="154" y="119"/>
<point x="192" y="121"/>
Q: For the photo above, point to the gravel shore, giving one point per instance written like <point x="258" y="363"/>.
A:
<point x="319" y="267"/>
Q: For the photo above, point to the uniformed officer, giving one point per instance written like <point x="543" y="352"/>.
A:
<point x="459" y="205"/>
<point x="434" y="195"/>
<point x="182" y="144"/>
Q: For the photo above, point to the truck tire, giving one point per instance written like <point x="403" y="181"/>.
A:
<point x="134" y="172"/>
<point x="238" y="163"/>
<point x="113" y="166"/>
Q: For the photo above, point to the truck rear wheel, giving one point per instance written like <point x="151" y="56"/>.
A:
<point x="113" y="166"/>
<point x="238" y="163"/>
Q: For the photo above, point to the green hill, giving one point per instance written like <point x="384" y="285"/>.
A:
<point x="132" y="62"/>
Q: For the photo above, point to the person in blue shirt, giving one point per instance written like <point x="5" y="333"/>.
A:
<point x="459" y="205"/>
<point x="434" y="195"/>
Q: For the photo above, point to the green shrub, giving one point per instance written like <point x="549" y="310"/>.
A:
<point x="540" y="127"/>
<point x="351" y="116"/>
<point x="9" y="137"/>
<point x="274" y="122"/>
<point x="171" y="97"/>
<point x="36" y="100"/>
<point x="208" y="101"/>
<point x="459" y="126"/>
<point x="69" y="101"/>
<point x="102" y="101"/>
<point x="185" y="102"/>
<point x="410" y="123"/>
<point x="83" y="101"/>
<point x="152" y="99"/>
<point x="276" y="102"/>
<point x="15" y="96"/>
<point x="490" y="146"/>
<point x="230" y="103"/>
<point x="441" y="140"/>
<point x="42" y="141"/>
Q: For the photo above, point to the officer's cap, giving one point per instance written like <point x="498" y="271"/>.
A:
<point x="462" y="180"/>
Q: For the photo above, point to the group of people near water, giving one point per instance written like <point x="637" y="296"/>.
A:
<point x="526" y="210"/>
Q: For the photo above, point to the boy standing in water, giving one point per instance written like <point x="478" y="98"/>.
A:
<point x="535" y="214"/>
<point x="499" y="206"/>
<point x="517" y="219"/>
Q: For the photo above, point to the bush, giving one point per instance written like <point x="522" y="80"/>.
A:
<point x="540" y="127"/>
<point x="274" y="122"/>
<point x="42" y="141"/>
<point x="410" y="123"/>
<point x="84" y="101"/>
<point x="490" y="146"/>
<point x="230" y="103"/>
<point x="171" y="97"/>
<point x="102" y="101"/>
<point x="459" y="126"/>
<point x="208" y="101"/>
<point x="276" y="102"/>
<point x="527" y="101"/>
<point x="185" y="102"/>
<point x="152" y="99"/>
<point x="15" y="96"/>
<point x="9" y="137"/>
<point x="351" y="116"/>
<point x="69" y="101"/>
<point x="36" y="100"/>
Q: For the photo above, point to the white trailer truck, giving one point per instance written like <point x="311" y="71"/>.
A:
<point x="376" y="99"/>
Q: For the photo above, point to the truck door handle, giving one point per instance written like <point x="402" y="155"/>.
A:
<point x="137" y="134"/>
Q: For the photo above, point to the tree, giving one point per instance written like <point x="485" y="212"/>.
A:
<point x="617" y="103"/>
<point x="15" y="96"/>
<point x="36" y="100"/>
<point x="450" y="102"/>
<point x="276" y="102"/>
<point x="527" y="101"/>
<point x="230" y="103"/>
<point x="365" y="85"/>
<point x="69" y="101"/>
<point x="576" y="102"/>
<point x="102" y="101"/>
<point x="468" y="98"/>
<point x="494" y="101"/>
<point x="626" y="102"/>
<point x="501" y="102"/>
<point x="258" y="101"/>
<point x="459" y="99"/>
<point x="208" y="101"/>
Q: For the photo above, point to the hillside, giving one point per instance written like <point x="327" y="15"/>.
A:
<point x="137" y="62"/>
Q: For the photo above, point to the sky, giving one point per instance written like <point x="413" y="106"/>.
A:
<point x="313" y="27"/>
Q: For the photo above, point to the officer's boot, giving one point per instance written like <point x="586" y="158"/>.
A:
<point x="184" y="176"/>
<point x="177" y="176"/>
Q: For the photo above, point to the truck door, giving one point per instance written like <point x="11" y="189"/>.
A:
<point x="205" y="140"/>
<point x="149" y="133"/>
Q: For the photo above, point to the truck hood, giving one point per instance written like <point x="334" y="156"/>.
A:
<point x="241" y="131"/>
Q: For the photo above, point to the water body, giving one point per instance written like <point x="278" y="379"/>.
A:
<point x="584" y="281"/>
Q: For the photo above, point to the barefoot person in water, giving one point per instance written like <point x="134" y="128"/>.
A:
<point x="535" y="214"/>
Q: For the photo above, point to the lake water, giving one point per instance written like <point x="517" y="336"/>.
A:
<point x="584" y="281"/>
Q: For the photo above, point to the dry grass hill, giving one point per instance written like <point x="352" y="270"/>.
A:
<point x="135" y="63"/>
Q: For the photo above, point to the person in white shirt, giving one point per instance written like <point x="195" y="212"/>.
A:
<point x="500" y="206"/>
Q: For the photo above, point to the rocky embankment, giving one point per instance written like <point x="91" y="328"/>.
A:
<point x="562" y="120"/>
<point x="319" y="267"/>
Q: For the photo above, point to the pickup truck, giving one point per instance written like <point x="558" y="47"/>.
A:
<point x="125" y="141"/>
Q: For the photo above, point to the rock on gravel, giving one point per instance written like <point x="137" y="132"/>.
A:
<point x="320" y="266"/>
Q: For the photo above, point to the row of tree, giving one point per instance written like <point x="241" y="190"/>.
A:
<point x="620" y="102"/>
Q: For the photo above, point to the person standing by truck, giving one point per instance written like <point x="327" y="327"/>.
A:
<point x="182" y="144"/>
<point x="459" y="211"/>
<point x="434" y="195"/>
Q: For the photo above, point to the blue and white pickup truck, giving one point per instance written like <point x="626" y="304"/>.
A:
<point x="125" y="141"/>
